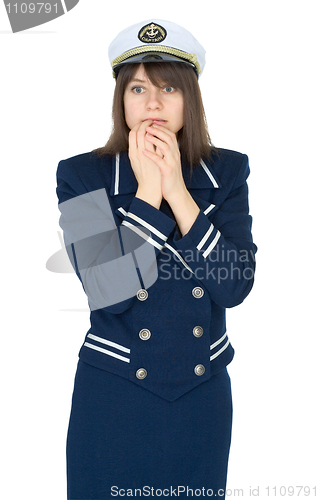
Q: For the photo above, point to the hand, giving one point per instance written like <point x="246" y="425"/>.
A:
<point x="167" y="156"/>
<point x="145" y="170"/>
<point x="174" y="190"/>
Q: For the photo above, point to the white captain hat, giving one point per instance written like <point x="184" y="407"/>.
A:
<point x="156" y="41"/>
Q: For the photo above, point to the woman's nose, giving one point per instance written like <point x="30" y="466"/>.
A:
<point x="154" y="100"/>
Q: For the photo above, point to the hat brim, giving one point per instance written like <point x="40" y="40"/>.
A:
<point x="152" y="57"/>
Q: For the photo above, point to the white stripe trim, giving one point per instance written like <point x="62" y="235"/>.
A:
<point x="208" y="210"/>
<point x="179" y="257"/>
<point x="218" y="341"/>
<point x="209" y="174"/>
<point x="219" y="352"/>
<point x="213" y="244"/>
<point x="105" y="351"/>
<point x="142" y="234"/>
<point x="206" y="236"/>
<point x="122" y="210"/>
<point x="147" y="225"/>
<point x="108" y="342"/>
<point x="116" y="180"/>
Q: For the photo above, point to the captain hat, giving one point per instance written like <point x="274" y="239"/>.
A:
<point x="156" y="40"/>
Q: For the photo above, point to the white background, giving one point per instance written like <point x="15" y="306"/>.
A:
<point x="261" y="93"/>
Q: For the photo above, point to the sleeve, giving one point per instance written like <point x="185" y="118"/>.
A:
<point x="219" y="248"/>
<point x="142" y="214"/>
<point x="112" y="262"/>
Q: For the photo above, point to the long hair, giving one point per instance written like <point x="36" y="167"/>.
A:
<point x="193" y="139"/>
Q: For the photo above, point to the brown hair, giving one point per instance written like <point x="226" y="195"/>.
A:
<point x="194" y="140"/>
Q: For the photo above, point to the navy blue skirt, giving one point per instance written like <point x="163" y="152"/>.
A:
<point x="126" y="442"/>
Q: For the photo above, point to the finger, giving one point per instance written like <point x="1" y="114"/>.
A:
<point x="153" y="147"/>
<point x="162" y="133"/>
<point x="133" y="137"/>
<point x="159" y="144"/>
<point x="133" y="140"/>
<point x="141" y="133"/>
<point x="165" y="144"/>
<point x="149" y="146"/>
<point x="142" y="126"/>
<point x="156" y="157"/>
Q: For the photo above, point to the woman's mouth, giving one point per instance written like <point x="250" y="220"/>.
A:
<point x="157" y="120"/>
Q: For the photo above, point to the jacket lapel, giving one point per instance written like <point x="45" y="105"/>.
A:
<point x="125" y="183"/>
<point x="123" y="178"/>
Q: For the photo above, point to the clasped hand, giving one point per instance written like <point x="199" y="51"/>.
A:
<point x="155" y="159"/>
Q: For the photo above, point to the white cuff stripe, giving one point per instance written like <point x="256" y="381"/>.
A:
<point x="108" y="342"/>
<point x="212" y="245"/>
<point x="220" y="351"/>
<point x="105" y="351"/>
<point x="206" y="236"/>
<point x="209" y="174"/>
<point x="218" y="341"/>
<point x="142" y="234"/>
<point x="147" y="225"/>
<point x="122" y="210"/>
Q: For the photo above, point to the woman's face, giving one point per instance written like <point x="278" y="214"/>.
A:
<point x="143" y="101"/>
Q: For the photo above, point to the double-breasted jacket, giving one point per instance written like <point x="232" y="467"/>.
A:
<point x="158" y="299"/>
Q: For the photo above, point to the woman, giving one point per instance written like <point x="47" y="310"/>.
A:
<point x="157" y="228"/>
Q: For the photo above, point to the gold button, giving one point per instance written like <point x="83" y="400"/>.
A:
<point x="198" y="292"/>
<point x="141" y="373"/>
<point x="199" y="370"/>
<point x="197" y="331"/>
<point x="144" y="334"/>
<point x="142" y="294"/>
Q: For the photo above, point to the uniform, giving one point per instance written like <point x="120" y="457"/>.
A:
<point x="152" y="399"/>
<point x="152" y="409"/>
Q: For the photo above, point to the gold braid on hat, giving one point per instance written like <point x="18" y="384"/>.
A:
<point x="192" y="58"/>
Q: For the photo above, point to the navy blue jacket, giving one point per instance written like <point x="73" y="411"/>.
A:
<point x="169" y="335"/>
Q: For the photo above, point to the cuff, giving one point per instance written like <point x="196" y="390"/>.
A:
<point x="202" y="235"/>
<point x="157" y="225"/>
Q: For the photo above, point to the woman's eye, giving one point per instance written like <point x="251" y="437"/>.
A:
<point x="137" y="90"/>
<point x="169" y="90"/>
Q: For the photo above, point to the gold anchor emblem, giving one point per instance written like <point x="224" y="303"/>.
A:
<point x="152" y="31"/>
